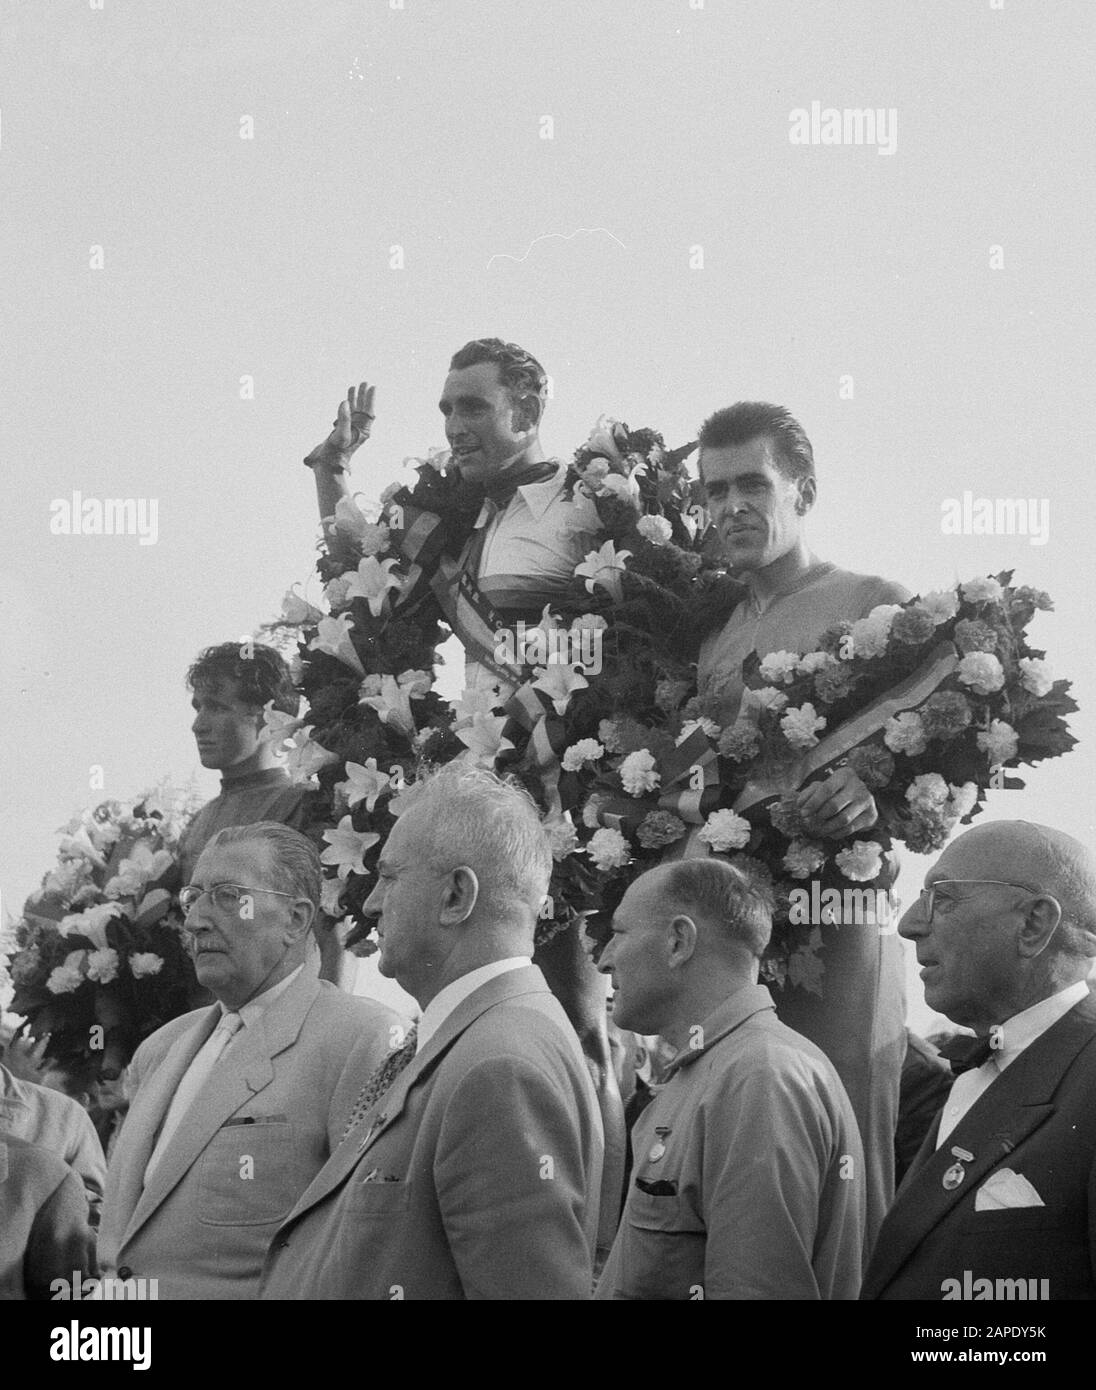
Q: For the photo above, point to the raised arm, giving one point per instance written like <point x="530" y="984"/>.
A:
<point x="330" y="460"/>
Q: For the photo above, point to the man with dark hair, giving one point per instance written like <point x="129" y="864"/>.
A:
<point x="1001" y="1200"/>
<point x="748" y="1180"/>
<point x="238" y="1106"/>
<point x="231" y="683"/>
<point x="757" y="467"/>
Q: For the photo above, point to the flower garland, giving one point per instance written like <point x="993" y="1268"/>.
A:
<point x="99" y="960"/>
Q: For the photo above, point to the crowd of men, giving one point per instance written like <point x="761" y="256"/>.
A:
<point x="290" y="1141"/>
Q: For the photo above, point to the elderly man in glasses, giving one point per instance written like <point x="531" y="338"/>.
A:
<point x="238" y="1106"/>
<point x="1001" y="1201"/>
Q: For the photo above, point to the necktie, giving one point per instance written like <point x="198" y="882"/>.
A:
<point x="381" y="1080"/>
<point x="964" y="1054"/>
<point x="193" y="1079"/>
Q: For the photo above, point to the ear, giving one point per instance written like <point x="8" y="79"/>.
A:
<point x="1040" y="924"/>
<point x="301" y="917"/>
<point x="808" y="495"/>
<point x="681" y="940"/>
<point x="459" y="896"/>
<point x="528" y="410"/>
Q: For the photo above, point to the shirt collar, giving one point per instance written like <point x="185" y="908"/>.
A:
<point x="1022" y="1029"/>
<point x="743" y="1004"/>
<point x="538" y="497"/>
<point x="457" y="991"/>
<point x="254" y="1009"/>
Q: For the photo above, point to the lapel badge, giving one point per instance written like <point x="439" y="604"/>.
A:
<point x="658" y="1148"/>
<point x="956" y="1173"/>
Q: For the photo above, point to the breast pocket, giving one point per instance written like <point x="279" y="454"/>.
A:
<point x="249" y="1174"/>
<point x="378" y="1199"/>
<point x="663" y="1250"/>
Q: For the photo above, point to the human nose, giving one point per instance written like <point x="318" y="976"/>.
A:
<point x="914" y="923"/>
<point x="605" y="959"/>
<point x="373" y="904"/>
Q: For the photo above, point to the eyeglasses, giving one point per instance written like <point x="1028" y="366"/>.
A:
<point x="226" y="896"/>
<point x="927" y="896"/>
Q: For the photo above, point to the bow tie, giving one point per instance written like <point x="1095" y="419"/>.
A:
<point x="964" y="1054"/>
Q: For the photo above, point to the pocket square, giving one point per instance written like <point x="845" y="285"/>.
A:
<point x="660" y="1188"/>
<point x="1006" y="1190"/>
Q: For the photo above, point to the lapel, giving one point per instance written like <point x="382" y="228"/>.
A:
<point x="245" y="1070"/>
<point x="1009" y="1110"/>
<point x="526" y="980"/>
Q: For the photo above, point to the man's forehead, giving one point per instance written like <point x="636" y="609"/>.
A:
<point x="989" y="853"/>
<point x="246" y="863"/>
<point x="225" y="689"/>
<point x="482" y="379"/>
<point x="730" y="460"/>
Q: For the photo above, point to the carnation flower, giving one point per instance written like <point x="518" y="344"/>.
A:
<point x="1000" y="742"/>
<point x="591" y="812"/>
<point x="813" y="662"/>
<point x="637" y="773"/>
<point x="608" y="732"/>
<point x="608" y="849"/>
<point x="929" y="792"/>
<point x="724" y="830"/>
<point x="1035" y="676"/>
<point x="1037" y="598"/>
<point x="973" y="635"/>
<point x="833" y="683"/>
<point x="767" y="697"/>
<point x="779" y="667"/>
<point x="800" y="725"/>
<point x="945" y="714"/>
<point x="913" y="626"/>
<point x="870" y="634"/>
<point x="982" y="672"/>
<point x="562" y="836"/>
<point x="861" y="861"/>
<point x="928" y="831"/>
<point x="710" y="727"/>
<point x="586" y="750"/>
<point x="103" y="965"/>
<point x="594" y="621"/>
<point x="873" y="765"/>
<point x="26" y="965"/>
<point x="982" y="590"/>
<point x="802" y="858"/>
<point x="962" y="800"/>
<point x="594" y="472"/>
<point x="142" y="963"/>
<point x="655" y="529"/>
<point x="659" y="828"/>
<point x="941" y="605"/>
<point x="740" y="742"/>
<point x="905" y="733"/>
<point x="67" y="977"/>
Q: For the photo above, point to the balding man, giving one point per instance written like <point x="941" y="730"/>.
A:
<point x="748" y="1179"/>
<point x="476" y="1175"/>
<point x="1001" y="1201"/>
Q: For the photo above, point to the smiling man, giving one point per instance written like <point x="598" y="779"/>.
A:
<point x="238" y="1106"/>
<point x="1002" y="1195"/>
<point x="757" y="466"/>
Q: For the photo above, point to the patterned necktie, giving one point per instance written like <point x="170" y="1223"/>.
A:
<point x="965" y="1054"/>
<point x="382" y="1079"/>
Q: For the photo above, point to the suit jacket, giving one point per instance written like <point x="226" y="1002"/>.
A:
<point x="476" y="1176"/>
<point x="43" y="1222"/>
<point x="58" y="1123"/>
<point x="1037" y="1119"/>
<point x="259" y="1130"/>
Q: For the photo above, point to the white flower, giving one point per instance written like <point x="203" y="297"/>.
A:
<point x="386" y="497"/>
<point x="333" y="637"/>
<point x="68" y="977"/>
<point x="608" y="733"/>
<point x="768" y="697"/>
<point x="608" y="849"/>
<point x="92" y="922"/>
<point x="929" y="792"/>
<point x="363" y="783"/>
<point x="778" y="668"/>
<point x="142" y="963"/>
<point x="586" y="750"/>
<point x="473" y="702"/>
<point x="352" y="523"/>
<point x="371" y="581"/>
<point x="982" y="672"/>
<point x="802" y="858"/>
<point x="297" y="610"/>
<point x="655" y="529"/>
<point x="330" y="894"/>
<point x="142" y="865"/>
<point x="305" y="757"/>
<point x="800" y="725"/>
<point x="905" y="733"/>
<point x="591" y="813"/>
<point x="710" y="727"/>
<point x="559" y="683"/>
<point x="483" y="737"/>
<point x="962" y="800"/>
<point x="603" y="439"/>
<point x="618" y="486"/>
<point x="335" y="593"/>
<point x="604" y="567"/>
<point x="870" y="634"/>
<point x="594" y="621"/>
<point x="81" y="844"/>
<point x="941" y="605"/>
<point x="814" y="662"/>
<point x="861" y="861"/>
<point x="278" y="727"/>
<point x="637" y="773"/>
<point x="562" y="836"/>
<point x="999" y="742"/>
<point x="347" y="847"/>
<point x="724" y="830"/>
<point x="982" y="590"/>
<point x="103" y="965"/>
<point x="1035" y="676"/>
<point x="393" y="703"/>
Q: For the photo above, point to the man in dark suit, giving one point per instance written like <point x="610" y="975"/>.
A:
<point x="476" y="1175"/>
<point x="1001" y="1201"/>
<point x="237" y="1107"/>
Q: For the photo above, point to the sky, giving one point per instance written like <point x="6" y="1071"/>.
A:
<point x="216" y="217"/>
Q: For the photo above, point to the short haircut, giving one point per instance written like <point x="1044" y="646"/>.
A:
<point x="1073" y="884"/>
<point x="293" y="861"/>
<point x="260" y="672"/>
<point x="735" y="897"/>
<point x="738" y="424"/>
<point x="475" y="818"/>
<point x="519" y="371"/>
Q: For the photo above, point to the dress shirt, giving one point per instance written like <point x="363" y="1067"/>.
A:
<point x="1018" y="1032"/>
<point x="447" y="999"/>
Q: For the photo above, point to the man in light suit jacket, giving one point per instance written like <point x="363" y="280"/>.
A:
<point x="477" y="1174"/>
<point x="1000" y="1203"/>
<point x="39" y="1115"/>
<point x="238" y="1106"/>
